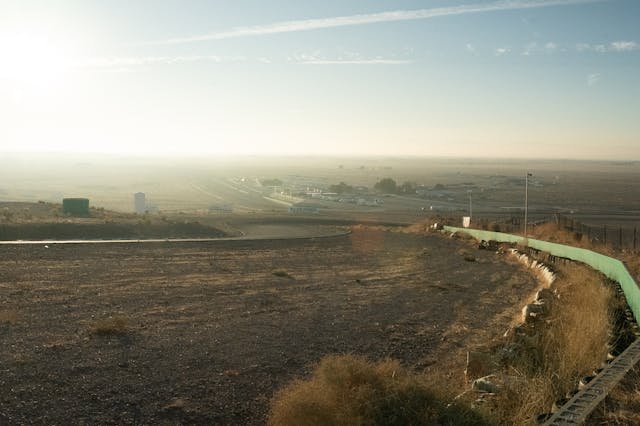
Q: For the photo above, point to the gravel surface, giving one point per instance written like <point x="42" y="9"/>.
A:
<point x="206" y="332"/>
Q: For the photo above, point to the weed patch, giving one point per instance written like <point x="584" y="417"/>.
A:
<point x="281" y="273"/>
<point x="110" y="326"/>
<point x="350" y="390"/>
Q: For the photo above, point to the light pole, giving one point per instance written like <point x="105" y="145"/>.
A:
<point x="526" y="201"/>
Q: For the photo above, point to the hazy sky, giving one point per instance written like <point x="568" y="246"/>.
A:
<point x="541" y="78"/>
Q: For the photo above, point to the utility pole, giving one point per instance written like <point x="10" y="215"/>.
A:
<point x="526" y="201"/>
<point x="470" y="210"/>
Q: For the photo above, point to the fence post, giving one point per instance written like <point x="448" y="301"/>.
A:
<point x="620" y="237"/>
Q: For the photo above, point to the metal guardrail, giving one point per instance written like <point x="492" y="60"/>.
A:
<point x="578" y="408"/>
<point x="582" y="404"/>
<point x="609" y="266"/>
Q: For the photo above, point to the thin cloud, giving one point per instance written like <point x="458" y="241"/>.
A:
<point x="530" y="49"/>
<point x="623" y="46"/>
<point x="593" y="79"/>
<point x="130" y="64"/>
<point x="346" y="58"/>
<point x="552" y="47"/>
<point x="349" y="58"/>
<point x="501" y="51"/>
<point x="354" y="62"/>
<point x="534" y="48"/>
<point x="616" y="46"/>
<point x="371" y="18"/>
<point x="127" y="62"/>
<point x="583" y="47"/>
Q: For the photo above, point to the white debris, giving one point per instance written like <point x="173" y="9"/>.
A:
<point x="483" y="384"/>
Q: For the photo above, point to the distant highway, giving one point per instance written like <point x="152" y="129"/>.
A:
<point x="241" y="196"/>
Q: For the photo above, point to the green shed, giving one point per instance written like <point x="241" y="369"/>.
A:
<point x="75" y="206"/>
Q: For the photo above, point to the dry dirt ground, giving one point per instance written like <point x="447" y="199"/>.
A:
<point x="210" y="332"/>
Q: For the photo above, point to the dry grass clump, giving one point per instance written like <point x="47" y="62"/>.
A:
<point x="281" y="273"/>
<point x="9" y="317"/>
<point x="110" y="326"/>
<point x="349" y="390"/>
<point x="419" y="228"/>
<point x="576" y="342"/>
<point x="632" y="261"/>
<point x="553" y="233"/>
<point x="568" y="345"/>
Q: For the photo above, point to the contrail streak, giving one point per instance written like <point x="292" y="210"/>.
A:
<point x="372" y="18"/>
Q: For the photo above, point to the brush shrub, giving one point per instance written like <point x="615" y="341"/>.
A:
<point x="109" y="326"/>
<point x="350" y="390"/>
<point x="281" y="273"/>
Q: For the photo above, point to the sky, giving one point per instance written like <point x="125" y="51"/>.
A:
<point x="471" y="78"/>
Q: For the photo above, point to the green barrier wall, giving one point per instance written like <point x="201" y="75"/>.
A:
<point x="612" y="268"/>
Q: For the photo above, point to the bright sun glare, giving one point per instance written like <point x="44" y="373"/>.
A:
<point x="33" y="61"/>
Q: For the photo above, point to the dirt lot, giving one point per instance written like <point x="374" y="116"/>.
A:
<point x="211" y="331"/>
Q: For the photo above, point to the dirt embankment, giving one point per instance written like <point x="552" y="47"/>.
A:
<point x="104" y="231"/>
<point x="205" y="333"/>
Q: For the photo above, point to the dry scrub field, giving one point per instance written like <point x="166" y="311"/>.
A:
<point x="205" y="333"/>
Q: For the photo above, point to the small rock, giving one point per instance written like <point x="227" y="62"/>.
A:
<point x="532" y="311"/>
<point x="544" y="294"/>
<point x="483" y="384"/>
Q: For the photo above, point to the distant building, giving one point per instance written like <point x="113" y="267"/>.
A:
<point x="75" y="206"/>
<point x="304" y="208"/>
<point x="140" y="202"/>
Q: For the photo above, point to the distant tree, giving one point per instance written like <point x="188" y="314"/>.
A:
<point x="341" y="188"/>
<point x="387" y="186"/>
<point x="439" y="186"/>
<point x="408" y="188"/>
<point x="7" y="214"/>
